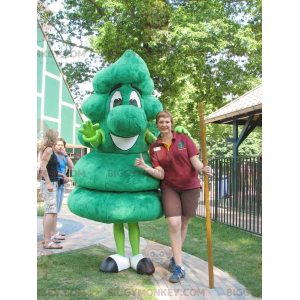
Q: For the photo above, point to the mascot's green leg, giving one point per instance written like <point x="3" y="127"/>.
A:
<point x="134" y="237"/>
<point x="119" y="238"/>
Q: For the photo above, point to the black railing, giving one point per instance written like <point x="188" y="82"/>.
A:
<point x="235" y="193"/>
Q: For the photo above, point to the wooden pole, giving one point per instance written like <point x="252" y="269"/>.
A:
<point x="206" y="198"/>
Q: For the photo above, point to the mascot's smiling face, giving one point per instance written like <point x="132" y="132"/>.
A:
<point x="126" y="119"/>
<point x="123" y="104"/>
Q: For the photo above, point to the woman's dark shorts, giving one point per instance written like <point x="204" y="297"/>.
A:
<point x="180" y="203"/>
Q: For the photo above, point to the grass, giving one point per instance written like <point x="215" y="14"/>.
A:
<point x="40" y="209"/>
<point x="75" y="275"/>
<point x="236" y="252"/>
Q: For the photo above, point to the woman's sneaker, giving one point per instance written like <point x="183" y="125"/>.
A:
<point x="172" y="264"/>
<point x="178" y="273"/>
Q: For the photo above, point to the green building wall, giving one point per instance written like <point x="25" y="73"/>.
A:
<point x="55" y="105"/>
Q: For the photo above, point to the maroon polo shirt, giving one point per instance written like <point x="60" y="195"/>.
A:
<point x="179" y="172"/>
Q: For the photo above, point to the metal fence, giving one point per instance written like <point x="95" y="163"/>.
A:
<point x="235" y="193"/>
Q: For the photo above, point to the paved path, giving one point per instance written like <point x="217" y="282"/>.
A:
<point x="194" y="286"/>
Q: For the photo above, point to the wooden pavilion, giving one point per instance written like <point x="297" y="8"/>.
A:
<point x="245" y="110"/>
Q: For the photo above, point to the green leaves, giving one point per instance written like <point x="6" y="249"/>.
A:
<point x="202" y="50"/>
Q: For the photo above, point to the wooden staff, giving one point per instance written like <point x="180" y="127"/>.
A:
<point x="206" y="197"/>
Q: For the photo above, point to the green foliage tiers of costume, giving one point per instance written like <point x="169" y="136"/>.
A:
<point x="108" y="171"/>
<point x="110" y="188"/>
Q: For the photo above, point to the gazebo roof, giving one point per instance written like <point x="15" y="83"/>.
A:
<point x="239" y="109"/>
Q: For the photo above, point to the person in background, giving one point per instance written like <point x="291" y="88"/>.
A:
<point x="175" y="162"/>
<point x="48" y="187"/>
<point x="63" y="161"/>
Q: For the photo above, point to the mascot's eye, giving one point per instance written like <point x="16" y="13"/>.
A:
<point x="116" y="100"/>
<point x="134" y="99"/>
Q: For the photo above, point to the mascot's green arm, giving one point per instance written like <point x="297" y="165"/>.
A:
<point x="149" y="137"/>
<point x="92" y="134"/>
<point x="181" y="129"/>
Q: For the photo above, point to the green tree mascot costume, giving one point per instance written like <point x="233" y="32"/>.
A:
<point x="110" y="188"/>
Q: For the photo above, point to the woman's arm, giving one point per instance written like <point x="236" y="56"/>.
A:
<point x="44" y="162"/>
<point x="64" y="177"/>
<point x="157" y="172"/>
<point x="68" y="159"/>
<point x="198" y="165"/>
<point x="70" y="163"/>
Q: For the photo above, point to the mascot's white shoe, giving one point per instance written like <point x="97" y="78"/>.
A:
<point x="142" y="265"/>
<point x="115" y="263"/>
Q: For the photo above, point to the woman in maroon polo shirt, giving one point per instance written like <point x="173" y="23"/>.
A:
<point x="175" y="162"/>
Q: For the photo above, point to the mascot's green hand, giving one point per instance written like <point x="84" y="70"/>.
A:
<point x="89" y="130"/>
<point x="180" y="129"/>
<point x="91" y="134"/>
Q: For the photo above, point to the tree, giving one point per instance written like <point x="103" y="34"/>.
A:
<point x="204" y="50"/>
<point x="218" y="147"/>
